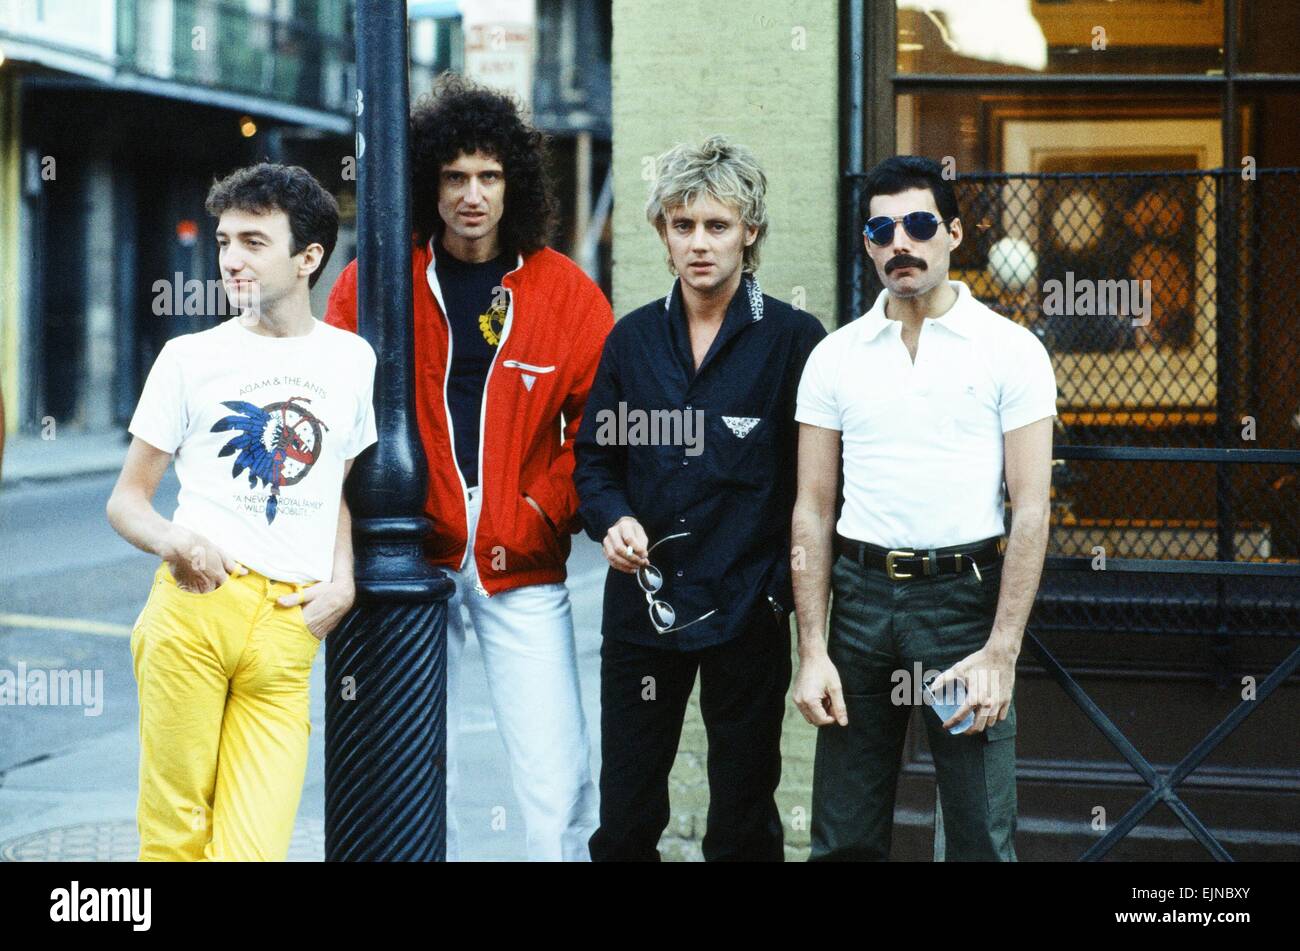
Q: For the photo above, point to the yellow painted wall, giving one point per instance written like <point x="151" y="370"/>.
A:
<point x="764" y="73"/>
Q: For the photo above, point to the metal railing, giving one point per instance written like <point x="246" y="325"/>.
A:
<point x="222" y="45"/>
<point x="1162" y="788"/>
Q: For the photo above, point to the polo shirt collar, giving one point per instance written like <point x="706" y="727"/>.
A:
<point x="958" y="318"/>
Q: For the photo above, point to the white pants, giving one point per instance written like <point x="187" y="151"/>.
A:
<point x="526" y="636"/>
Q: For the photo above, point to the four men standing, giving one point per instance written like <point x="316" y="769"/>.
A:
<point x="674" y="442"/>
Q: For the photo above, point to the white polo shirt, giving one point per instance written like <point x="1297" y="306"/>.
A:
<point x="922" y="441"/>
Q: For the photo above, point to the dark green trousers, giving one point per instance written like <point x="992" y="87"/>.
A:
<point x="880" y="631"/>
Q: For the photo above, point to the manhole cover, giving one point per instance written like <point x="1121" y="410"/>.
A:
<point x="119" y="842"/>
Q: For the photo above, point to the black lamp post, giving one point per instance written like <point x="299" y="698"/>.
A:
<point x="385" y="669"/>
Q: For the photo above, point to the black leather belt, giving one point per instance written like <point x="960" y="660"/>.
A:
<point x="902" y="563"/>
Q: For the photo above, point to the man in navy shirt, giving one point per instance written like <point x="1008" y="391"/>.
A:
<point x="686" y="474"/>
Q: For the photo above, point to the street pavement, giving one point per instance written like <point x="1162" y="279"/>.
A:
<point x="70" y="590"/>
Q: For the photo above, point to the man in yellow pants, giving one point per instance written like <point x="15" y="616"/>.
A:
<point x="264" y="414"/>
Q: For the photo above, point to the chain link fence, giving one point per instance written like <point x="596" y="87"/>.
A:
<point x="1166" y="301"/>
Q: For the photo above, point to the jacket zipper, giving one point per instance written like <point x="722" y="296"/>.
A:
<point x="482" y="410"/>
<point x="431" y="275"/>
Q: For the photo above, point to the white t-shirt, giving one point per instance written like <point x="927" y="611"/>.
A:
<point x="922" y="443"/>
<point x="260" y="427"/>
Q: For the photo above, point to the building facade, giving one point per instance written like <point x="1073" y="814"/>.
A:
<point x="117" y="117"/>
<point x="1093" y="146"/>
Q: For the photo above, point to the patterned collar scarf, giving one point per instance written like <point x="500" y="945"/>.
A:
<point x="752" y="290"/>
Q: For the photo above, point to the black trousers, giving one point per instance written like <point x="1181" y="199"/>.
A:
<point x="879" y="630"/>
<point x="643" y="696"/>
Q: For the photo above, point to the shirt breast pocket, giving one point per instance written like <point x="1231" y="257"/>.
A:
<point x="739" y="448"/>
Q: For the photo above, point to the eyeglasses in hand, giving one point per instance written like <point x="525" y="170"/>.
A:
<point x="651" y="579"/>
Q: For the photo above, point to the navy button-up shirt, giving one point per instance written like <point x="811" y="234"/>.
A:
<point x="711" y="452"/>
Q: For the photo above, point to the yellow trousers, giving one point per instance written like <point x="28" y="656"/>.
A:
<point x="224" y="719"/>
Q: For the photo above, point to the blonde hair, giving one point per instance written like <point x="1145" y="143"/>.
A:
<point x="725" y="171"/>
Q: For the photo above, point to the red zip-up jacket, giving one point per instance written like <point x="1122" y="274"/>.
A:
<point x="555" y="328"/>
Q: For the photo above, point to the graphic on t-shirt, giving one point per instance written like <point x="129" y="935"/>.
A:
<point x="277" y="443"/>
<point x="492" y="322"/>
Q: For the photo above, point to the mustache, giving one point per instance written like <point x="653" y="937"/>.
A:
<point x="903" y="260"/>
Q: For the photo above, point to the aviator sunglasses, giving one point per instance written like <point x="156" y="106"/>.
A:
<point x="921" y="225"/>
<point x="651" y="579"/>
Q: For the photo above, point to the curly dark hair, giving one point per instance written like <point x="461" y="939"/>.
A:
<point x="312" y="211"/>
<point x="460" y="116"/>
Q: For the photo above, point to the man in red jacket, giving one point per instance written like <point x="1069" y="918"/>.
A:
<point x="508" y="333"/>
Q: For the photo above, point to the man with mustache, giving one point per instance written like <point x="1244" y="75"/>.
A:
<point x="930" y="399"/>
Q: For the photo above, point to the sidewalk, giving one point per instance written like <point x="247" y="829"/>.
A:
<point x="76" y="800"/>
<point x="68" y="783"/>
<point x="29" y="458"/>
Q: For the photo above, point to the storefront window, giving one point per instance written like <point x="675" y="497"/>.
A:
<point x="995" y="131"/>
<point x="1064" y="36"/>
<point x="1103" y="182"/>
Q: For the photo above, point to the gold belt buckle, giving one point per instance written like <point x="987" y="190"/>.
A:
<point x="889" y="563"/>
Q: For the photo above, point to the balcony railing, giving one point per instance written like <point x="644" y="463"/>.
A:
<point x="222" y="45"/>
